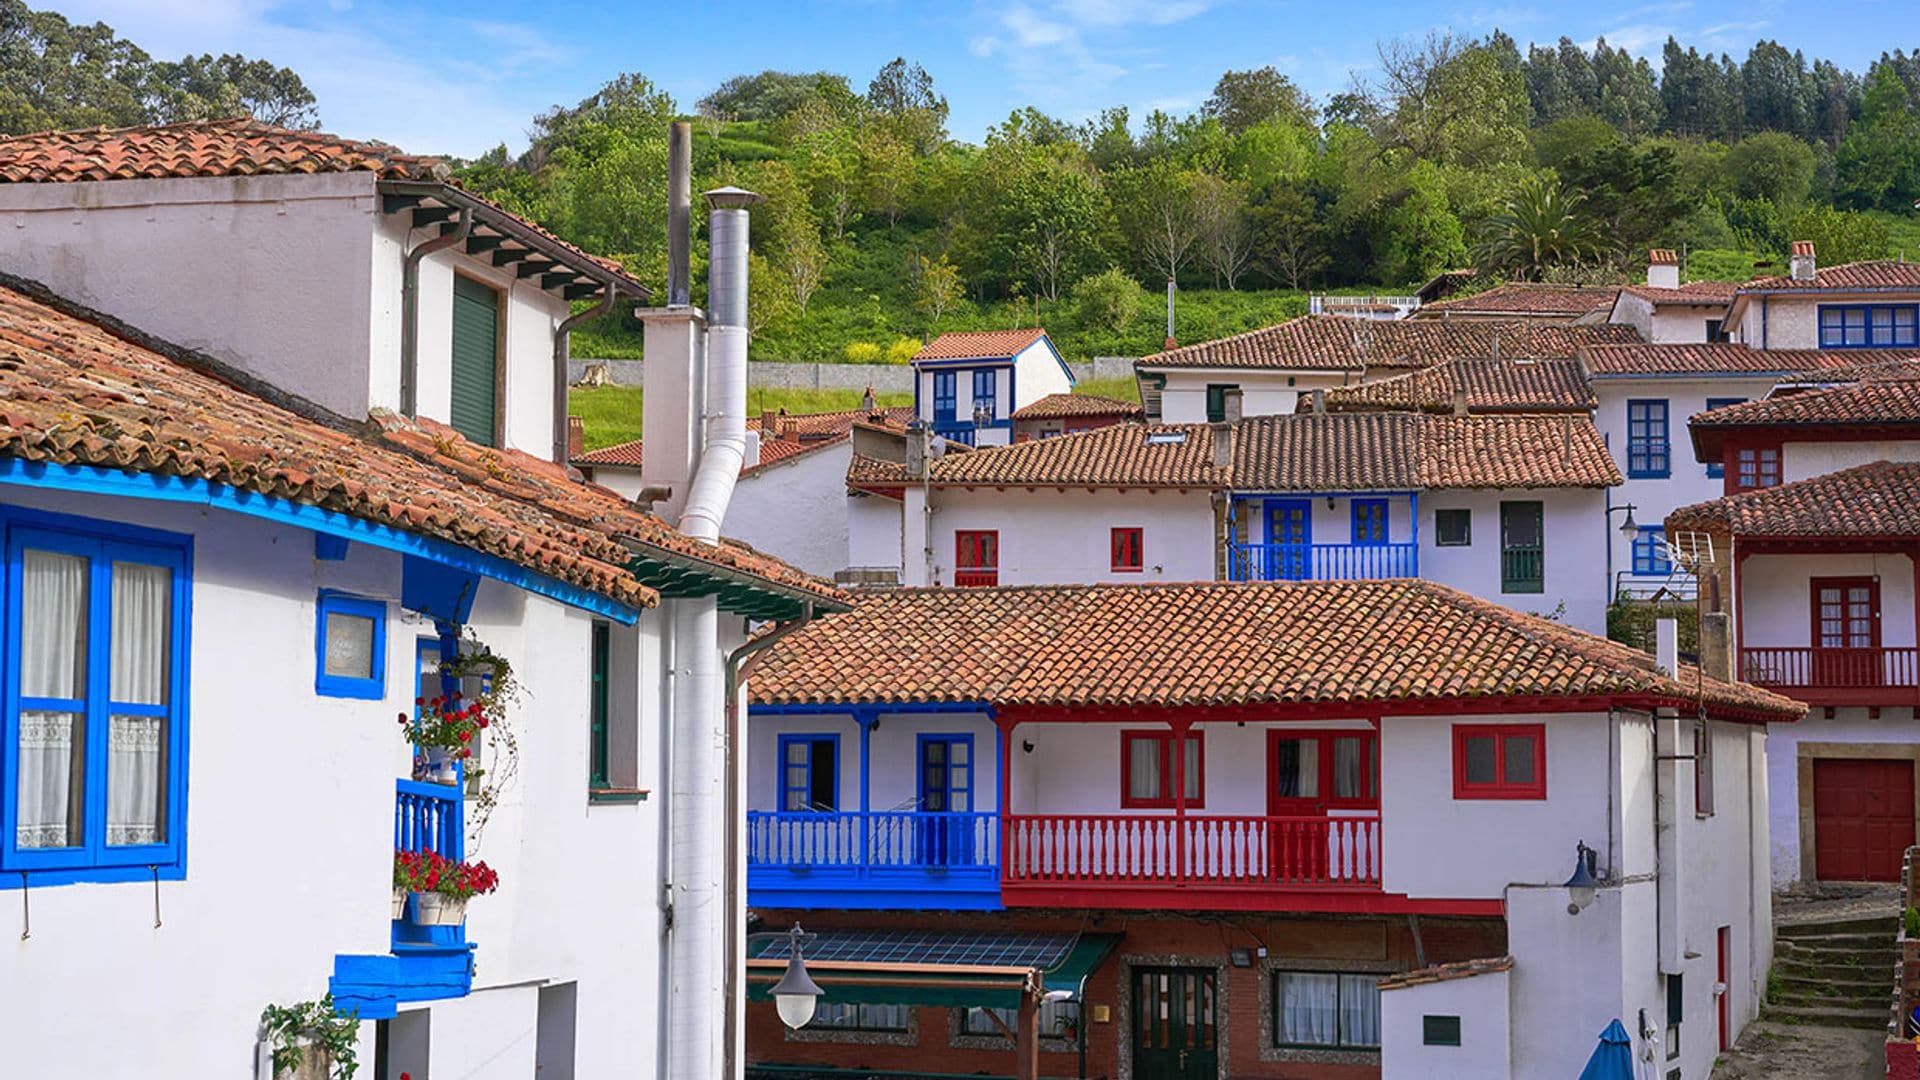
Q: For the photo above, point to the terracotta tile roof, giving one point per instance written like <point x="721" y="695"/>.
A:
<point x="1699" y="293"/>
<point x="1873" y="274"/>
<point x="1383" y="451"/>
<point x="1520" y="297"/>
<point x="868" y="472"/>
<point x="979" y="344"/>
<point x="238" y="146"/>
<point x="1718" y="358"/>
<point x="1891" y="398"/>
<point x="1215" y="644"/>
<point x="235" y="146"/>
<point x="74" y="392"/>
<point x="1336" y="343"/>
<point x="1557" y="385"/>
<point x="1055" y="406"/>
<point x="1459" y="969"/>
<point x="1878" y="499"/>
<point x="625" y="455"/>
<point x="1115" y="456"/>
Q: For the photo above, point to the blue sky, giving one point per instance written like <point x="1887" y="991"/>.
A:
<point x="459" y="76"/>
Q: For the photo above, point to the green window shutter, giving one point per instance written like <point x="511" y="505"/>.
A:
<point x="476" y="338"/>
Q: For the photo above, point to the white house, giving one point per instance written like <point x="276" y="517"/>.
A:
<point x="967" y="385"/>
<point x="1284" y="817"/>
<point x="1274" y="366"/>
<point x="236" y="561"/>
<point x="1808" y="587"/>
<point x="1859" y="305"/>
<point x="1667" y="312"/>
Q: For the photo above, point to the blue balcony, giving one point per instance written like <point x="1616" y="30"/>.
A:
<point x="424" y="963"/>
<point x="1321" y="562"/>
<point x="874" y="859"/>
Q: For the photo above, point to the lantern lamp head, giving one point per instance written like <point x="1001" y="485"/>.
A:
<point x="796" y="994"/>
<point x="1582" y="885"/>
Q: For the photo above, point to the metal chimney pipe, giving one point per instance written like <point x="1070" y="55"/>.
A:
<point x="726" y="429"/>
<point x="1170" y="287"/>
<point x="679" y="213"/>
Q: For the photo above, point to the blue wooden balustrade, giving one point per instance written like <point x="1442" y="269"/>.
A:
<point x="1322" y="562"/>
<point x="873" y="859"/>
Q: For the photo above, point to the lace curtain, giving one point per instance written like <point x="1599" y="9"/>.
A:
<point x="53" y="656"/>
<point x="136" y="745"/>
<point x="1326" y="1009"/>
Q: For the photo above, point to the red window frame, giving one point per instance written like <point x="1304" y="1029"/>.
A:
<point x="1128" y="549"/>
<point x="976" y="557"/>
<point x="1765" y="471"/>
<point x="1196" y="745"/>
<point x="1500" y="788"/>
<point x="1324" y="783"/>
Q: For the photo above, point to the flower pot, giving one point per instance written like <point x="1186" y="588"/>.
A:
<point x="438" y="765"/>
<point x="438" y="909"/>
<point x="399" y="903"/>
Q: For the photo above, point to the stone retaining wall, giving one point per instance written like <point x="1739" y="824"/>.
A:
<point x="884" y="378"/>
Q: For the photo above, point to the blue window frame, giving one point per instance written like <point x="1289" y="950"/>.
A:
<point x="809" y="772"/>
<point x="943" y="396"/>
<point x="1718" y="469"/>
<point x="1369" y="522"/>
<point x="93" y="731"/>
<point x="985" y="386"/>
<point x="1647" y="449"/>
<point x="1650" y="551"/>
<point x="350" y="647"/>
<point x="1869" y="326"/>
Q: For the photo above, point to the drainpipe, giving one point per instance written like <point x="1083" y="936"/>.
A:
<point x="561" y="346"/>
<point x="726" y="435"/>
<point x="737" y="663"/>
<point x="410" y="311"/>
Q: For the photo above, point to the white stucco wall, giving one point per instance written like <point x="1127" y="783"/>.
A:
<point x="1687" y="481"/>
<point x="295" y="279"/>
<point x="1263" y="392"/>
<point x="1055" y="537"/>
<point x="1776" y="596"/>
<point x="797" y="509"/>
<point x="1574" y="582"/>
<point x="289" y="849"/>
<point x="1480" y="1002"/>
<point x="1665" y="324"/>
<point x="873" y="530"/>
<point x="1802" y="460"/>
<point x="1783" y="322"/>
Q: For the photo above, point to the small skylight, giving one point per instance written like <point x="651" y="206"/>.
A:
<point x="1166" y="438"/>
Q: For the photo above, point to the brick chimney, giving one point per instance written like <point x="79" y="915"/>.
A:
<point x="1800" y="264"/>
<point x="1663" y="269"/>
<point x="576" y="437"/>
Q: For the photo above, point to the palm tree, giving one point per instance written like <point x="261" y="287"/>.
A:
<point x="1541" y="226"/>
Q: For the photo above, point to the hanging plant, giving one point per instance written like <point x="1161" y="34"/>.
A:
<point x="292" y="1030"/>
<point x="488" y="708"/>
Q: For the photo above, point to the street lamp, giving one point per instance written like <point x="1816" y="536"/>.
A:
<point x="1581" y="886"/>
<point x="796" y="994"/>
<point x="1628" y="528"/>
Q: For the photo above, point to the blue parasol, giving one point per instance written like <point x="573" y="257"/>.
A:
<point x="1613" y="1058"/>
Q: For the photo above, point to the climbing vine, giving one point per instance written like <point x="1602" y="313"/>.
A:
<point x="292" y="1030"/>
<point x="499" y="691"/>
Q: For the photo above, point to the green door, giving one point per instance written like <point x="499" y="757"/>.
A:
<point x="1174" y="1033"/>
<point x="476" y="343"/>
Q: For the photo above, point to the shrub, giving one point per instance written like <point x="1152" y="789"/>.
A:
<point x="903" y="351"/>
<point x="1108" y="299"/>
<point x="1911" y="921"/>
<point x="861" y="352"/>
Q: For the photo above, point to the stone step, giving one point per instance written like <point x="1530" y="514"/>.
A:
<point x="1868" y="998"/>
<point x="1883" y="925"/>
<point x="1823" y="956"/>
<point x="1830" y="941"/>
<point x="1832" y="1016"/>
<point x="1846" y="981"/>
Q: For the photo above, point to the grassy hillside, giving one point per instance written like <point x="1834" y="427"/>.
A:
<point x="611" y="414"/>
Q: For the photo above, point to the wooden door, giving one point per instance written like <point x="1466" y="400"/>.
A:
<point x="1846" y="632"/>
<point x="1862" y="818"/>
<point x="1289" y="546"/>
<point x="1722" y="986"/>
<point x="1175" y="1033"/>
<point x="946" y="790"/>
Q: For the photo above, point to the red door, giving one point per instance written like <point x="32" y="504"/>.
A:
<point x="1721" y="984"/>
<point x="1309" y="773"/>
<point x="1862" y="818"/>
<point x="1846" y="632"/>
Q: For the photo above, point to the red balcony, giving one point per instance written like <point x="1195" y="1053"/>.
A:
<point x="1135" y="860"/>
<point x="1863" y="676"/>
<point x="977" y="577"/>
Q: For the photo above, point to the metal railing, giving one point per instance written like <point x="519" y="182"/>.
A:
<point x="1840" y="669"/>
<point x="1523" y="568"/>
<point x="884" y="839"/>
<point x="1321" y="562"/>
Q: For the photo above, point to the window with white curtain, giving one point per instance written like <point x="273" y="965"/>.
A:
<point x="93" y="695"/>
<point x="1326" y="1009"/>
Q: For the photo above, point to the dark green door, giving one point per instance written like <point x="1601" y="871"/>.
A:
<point x="476" y="344"/>
<point x="1174" y="1032"/>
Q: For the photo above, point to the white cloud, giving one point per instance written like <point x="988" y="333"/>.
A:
<point x="1131" y="12"/>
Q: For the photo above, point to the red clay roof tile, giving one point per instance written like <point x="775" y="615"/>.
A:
<point x="1059" y="406"/>
<point x="1215" y="645"/>
<point x="1336" y="343"/>
<point x="979" y="344"/>
<point x="1878" y="499"/>
<point x="1717" y="358"/>
<point x="1505" y="385"/>
<point x="1530" y="298"/>
<point x="1874" y="274"/>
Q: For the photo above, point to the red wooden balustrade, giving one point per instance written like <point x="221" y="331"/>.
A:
<point x="1117" y="849"/>
<point x="1831" y="668"/>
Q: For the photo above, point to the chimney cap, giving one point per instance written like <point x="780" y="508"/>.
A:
<point x="730" y="198"/>
<point x="1663" y="257"/>
<point x="1802" y="247"/>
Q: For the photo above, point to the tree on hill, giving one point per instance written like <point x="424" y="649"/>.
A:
<point x="1243" y="99"/>
<point x="1541" y="227"/>
<point x="771" y="95"/>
